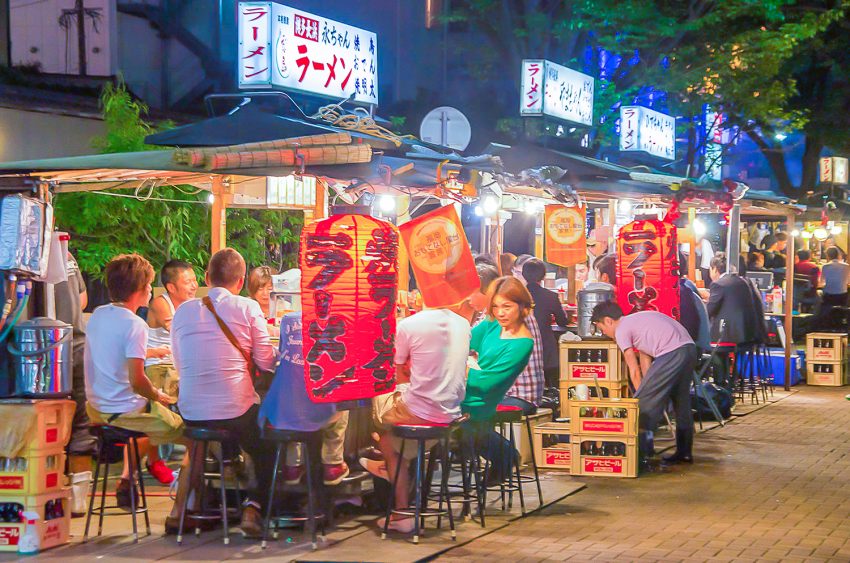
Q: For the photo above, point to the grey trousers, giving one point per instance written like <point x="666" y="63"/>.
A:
<point x="668" y="379"/>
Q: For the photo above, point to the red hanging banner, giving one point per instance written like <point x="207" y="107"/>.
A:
<point x="440" y="256"/>
<point x="349" y="284"/>
<point x="648" y="267"/>
<point x="566" y="240"/>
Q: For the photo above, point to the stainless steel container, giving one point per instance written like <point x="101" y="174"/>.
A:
<point x="41" y="349"/>
<point x="587" y="300"/>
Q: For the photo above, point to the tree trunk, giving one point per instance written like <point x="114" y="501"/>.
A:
<point x="80" y="10"/>
<point x="811" y="163"/>
<point x="776" y="159"/>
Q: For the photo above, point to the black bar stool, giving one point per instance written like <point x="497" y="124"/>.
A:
<point x="309" y="440"/>
<point x="110" y="450"/>
<point x="201" y="438"/>
<point x="421" y="434"/>
<point x="508" y="414"/>
<point x="465" y="459"/>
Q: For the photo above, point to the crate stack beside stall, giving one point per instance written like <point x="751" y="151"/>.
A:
<point x="591" y="362"/>
<point x="827" y="358"/>
<point x="603" y="434"/>
<point x="32" y="479"/>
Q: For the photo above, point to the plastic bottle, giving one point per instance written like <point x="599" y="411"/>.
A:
<point x="30" y="542"/>
<point x="777" y="300"/>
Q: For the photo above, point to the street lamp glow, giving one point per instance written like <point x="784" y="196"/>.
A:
<point x="490" y="204"/>
<point x="780" y="137"/>
<point x="795" y="233"/>
<point x="478" y="211"/>
<point x="625" y="206"/>
<point x="386" y="203"/>
<point x="699" y="228"/>
<point x="806" y="234"/>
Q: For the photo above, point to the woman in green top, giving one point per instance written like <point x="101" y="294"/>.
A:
<point x="503" y="344"/>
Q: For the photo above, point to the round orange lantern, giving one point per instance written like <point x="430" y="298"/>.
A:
<point x="349" y="282"/>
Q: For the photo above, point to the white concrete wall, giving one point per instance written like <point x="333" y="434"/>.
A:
<point x="26" y="135"/>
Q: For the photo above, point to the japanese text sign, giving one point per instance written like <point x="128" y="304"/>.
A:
<point x="556" y="91"/>
<point x="713" y="158"/>
<point x="285" y="48"/>
<point x="349" y="284"/>
<point x="648" y="267"/>
<point x="649" y="131"/>
<point x="439" y="253"/>
<point x="565" y="237"/>
<point x="833" y="170"/>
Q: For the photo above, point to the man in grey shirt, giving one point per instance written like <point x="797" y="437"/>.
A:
<point x="836" y="278"/>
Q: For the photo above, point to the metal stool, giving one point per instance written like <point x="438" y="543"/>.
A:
<point x="419" y="511"/>
<point x="464" y="457"/>
<point x="749" y="372"/>
<point x="201" y="438"/>
<point x="309" y="439"/>
<point x="111" y="443"/>
<point x="508" y="414"/>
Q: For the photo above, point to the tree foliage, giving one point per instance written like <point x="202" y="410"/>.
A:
<point x="157" y="221"/>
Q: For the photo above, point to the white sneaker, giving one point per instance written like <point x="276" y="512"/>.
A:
<point x="403" y="525"/>
<point x="376" y="468"/>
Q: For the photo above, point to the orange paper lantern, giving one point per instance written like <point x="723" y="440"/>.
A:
<point x="648" y="267"/>
<point x="349" y="283"/>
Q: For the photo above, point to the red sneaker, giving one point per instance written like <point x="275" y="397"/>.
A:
<point x="292" y="474"/>
<point x="161" y="472"/>
<point x="334" y="473"/>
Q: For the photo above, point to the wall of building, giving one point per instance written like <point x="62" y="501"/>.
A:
<point x="26" y="135"/>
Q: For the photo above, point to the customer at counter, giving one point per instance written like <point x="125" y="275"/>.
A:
<point x="547" y="309"/>
<point x="605" y="268"/>
<point x="260" y="289"/>
<point x="217" y="342"/>
<point x="731" y="306"/>
<point x="836" y="278"/>
<point x="119" y="393"/>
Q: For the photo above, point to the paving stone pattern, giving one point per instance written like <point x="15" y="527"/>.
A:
<point x="770" y="486"/>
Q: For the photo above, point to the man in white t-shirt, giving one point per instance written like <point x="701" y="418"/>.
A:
<point x="118" y="391"/>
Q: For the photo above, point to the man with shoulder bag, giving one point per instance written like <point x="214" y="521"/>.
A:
<point x="219" y="343"/>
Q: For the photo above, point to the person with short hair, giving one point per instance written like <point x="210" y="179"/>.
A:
<point x="731" y="305"/>
<point x="260" y="287"/>
<point x="755" y="262"/>
<point x="547" y="308"/>
<point x="804" y="266"/>
<point x="605" y="267"/>
<point x="836" y="278"/>
<point x="661" y="358"/>
<point x="118" y="391"/>
<point x="216" y="385"/>
<point x="506" y="263"/>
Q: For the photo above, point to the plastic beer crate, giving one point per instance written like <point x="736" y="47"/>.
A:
<point x="832" y="374"/>
<point x="593" y="456"/>
<point x="609" y="389"/>
<point x="32" y="475"/>
<point x="552" y="448"/>
<point x="50" y="424"/>
<point x="826" y="346"/>
<point x="53" y="532"/>
<point x="582" y="361"/>
<point x="611" y="417"/>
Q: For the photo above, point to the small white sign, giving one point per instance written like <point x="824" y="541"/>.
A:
<point x="281" y="47"/>
<point x="649" y="131"/>
<point x="834" y="170"/>
<point x="556" y="91"/>
<point x="291" y="192"/>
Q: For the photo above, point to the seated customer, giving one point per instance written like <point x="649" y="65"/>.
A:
<point x="260" y="289"/>
<point x="216" y="386"/>
<point x="547" y="309"/>
<point x="732" y="306"/>
<point x="119" y="393"/>
<point x="755" y="262"/>
<point x="431" y="351"/>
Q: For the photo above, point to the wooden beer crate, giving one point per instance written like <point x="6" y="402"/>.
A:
<point x="32" y="475"/>
<point x="603" y="463"/>
<point x="49" y="423"/>
<point x="581" y="361"/>
<point x="832" y="374"/>
<point x="53" y="532"/>
<point x="611" y="417"/>
<point x="552" y="448"/>
<point x="609" y="389"/>
<point x="826" y="346"/>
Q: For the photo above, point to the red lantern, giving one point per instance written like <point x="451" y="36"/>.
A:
<point x="349" y="283"/>
<point x="648" y="267"/>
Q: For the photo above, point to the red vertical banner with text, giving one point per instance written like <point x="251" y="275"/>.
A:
<point x="439" y="254"/>
<point x="648" y="267"/>
<point x="565" y="235"/>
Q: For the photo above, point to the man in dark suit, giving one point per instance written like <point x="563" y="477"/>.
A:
<point x="732" y="300"/>
<point x="546" y="307"/>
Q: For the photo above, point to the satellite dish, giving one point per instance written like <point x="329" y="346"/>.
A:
<point x="446" y="126"/>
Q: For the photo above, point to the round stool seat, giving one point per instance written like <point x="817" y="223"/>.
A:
<point x="507" y="413"/>
<point x="201" y="434"/>
<point x="284" y="435"/>
<point x="433" y="431"/>
<point x="114" y="433"/>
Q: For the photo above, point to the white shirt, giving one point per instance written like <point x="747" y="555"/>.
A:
<point x="214" y="379"/>
<point x="706" y="254"/>
<point x="436" y="342"/>
<point x="114" y="334"/>
<point x="836" y="277"/>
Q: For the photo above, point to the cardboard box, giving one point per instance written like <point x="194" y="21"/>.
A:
<point x="552" y="447"/>
<point x="50" y="423"/>
<point x="604" y="463"/>
<point x="53" y="532"/>
<point x="609" y="389"/>
<point x="584" y="360"/>
<point x="611" y="417"/>
<point x="41" y="474"/>
<point x="542" y="416"/>
<point x="826" y="346"/>
<point x="832" y="374"/>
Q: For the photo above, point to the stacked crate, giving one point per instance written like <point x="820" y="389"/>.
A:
<point x="34" y="479"/>
<point x="827" y="358"/>
<point x="552" y="447"/>
<point x="588" y="361"/>
<point x="603" y="434"/>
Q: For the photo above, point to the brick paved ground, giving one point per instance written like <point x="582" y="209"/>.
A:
<point x="771" y="486"/>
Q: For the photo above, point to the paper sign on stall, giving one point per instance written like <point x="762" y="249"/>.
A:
<point x="440" y="256"/>
<point x="566" y="241"/>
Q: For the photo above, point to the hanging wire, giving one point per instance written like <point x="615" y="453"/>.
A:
<point x="357" y="121"/>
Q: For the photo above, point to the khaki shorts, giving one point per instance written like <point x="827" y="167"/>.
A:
<point x="164" y="377"/>
<point x="158" y="423"/>
<point x="389" y="410"/>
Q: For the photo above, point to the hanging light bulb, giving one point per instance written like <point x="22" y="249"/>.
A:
<point x="795" y="233"/>
<point x="699" y="228"/>
<point x="836" y="229"/>
<point x="490" y="204"/>
<point x="386" y="203"/>
<point x="820" y="233"/>
<point x="625" y="206"/>
<point x="806" y="234"/>
<point x="211" y="198"/>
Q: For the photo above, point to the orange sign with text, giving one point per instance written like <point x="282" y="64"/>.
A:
<point x="440" y="256"/>
<point x="566" y="240"/>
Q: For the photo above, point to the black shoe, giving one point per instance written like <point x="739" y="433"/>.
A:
<point x="646" y="466"/>
<point x="122" y="495"/>
<point x="675" y="458"/>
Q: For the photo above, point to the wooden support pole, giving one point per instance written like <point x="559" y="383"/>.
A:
<point x="218" y="219"/>
<point x="789" y="300"/>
